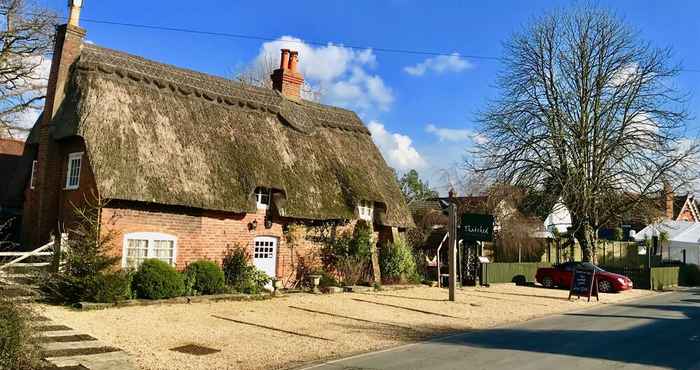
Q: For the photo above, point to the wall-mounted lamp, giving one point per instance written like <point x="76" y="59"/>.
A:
<point x="253" y="225"/>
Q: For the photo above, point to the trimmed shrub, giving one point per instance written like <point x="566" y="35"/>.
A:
<point x="18" y="350"/>
<point x="156" y="279"/>
<point x="397" y="262"/>
<point x="111" y="287"/>
<point x="206" y="277"/>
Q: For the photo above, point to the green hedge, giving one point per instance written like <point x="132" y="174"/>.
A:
<point x="512" y="272"/>
<point x="689" y="275"/>
<point x="664" y="277"/>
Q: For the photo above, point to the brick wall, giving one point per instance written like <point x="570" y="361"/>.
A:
<point x="47" y="208"/>
<point x="203" y="234"/>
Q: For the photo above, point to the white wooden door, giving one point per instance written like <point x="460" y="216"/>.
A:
<point x="265" y="255"/>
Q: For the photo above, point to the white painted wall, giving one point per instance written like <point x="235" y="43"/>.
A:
<point x="559" y="218"/>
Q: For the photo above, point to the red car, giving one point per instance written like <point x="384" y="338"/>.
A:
<point x="560" y="276"/>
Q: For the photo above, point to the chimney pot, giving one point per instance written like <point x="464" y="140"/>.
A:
<point x="293" y="60"/>
<point x="284" y="60"/>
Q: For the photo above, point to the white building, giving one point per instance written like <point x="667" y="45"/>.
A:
<point x="559" y="219"/>
<point x="683" y="240"/>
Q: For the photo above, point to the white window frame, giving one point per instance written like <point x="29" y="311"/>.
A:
<point x="151" y="237"/>
<point x="259" y="194"/>
<point x="365" y="210"/>
<point x="32" y="179"/>
<point x="72" y="157"/>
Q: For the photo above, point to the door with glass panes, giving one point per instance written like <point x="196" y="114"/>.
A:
<point x="265" y="255"/>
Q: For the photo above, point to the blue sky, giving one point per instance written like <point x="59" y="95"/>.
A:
<point x="421" y="111"/>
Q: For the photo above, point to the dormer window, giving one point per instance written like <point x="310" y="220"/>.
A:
<point x="262" y="198"/>
<point x="365" y="210"/>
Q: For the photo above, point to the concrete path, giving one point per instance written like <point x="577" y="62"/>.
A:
<point x="658" y="332"/>
<point x="63" y="347"/>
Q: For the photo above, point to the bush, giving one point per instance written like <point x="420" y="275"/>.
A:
<point x="254" y="281"/>
<point x="689" y="275"/>
<point x="235" y="265"/>
<point x="18" y="350"/>
<point x="397" y="262"/>
<point x="104" y="287"/>
<point x="206" y="277"/>
<point x="327" y="280"/>
<point x="110" y="287"/>
<point x="87" y="270"/>
<point x="240" y="275"/>
<point x="349" y="254"/>
<point x="156" y="279"/>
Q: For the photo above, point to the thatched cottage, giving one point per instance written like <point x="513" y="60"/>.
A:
<point x="193" y="164"/>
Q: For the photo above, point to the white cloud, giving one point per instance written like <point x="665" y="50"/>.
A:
<point x="397" y="149"/>
<point x="450" y="134"/>
<point x="32" y="86"/>
<point x="342" y="74"/>
<point x="440" y="64"/>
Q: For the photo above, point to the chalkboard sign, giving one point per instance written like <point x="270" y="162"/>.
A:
<point x="476" y="227"/>
<point x="583" y="284"/>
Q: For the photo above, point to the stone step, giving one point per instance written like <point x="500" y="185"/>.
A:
<point x="75" y="349"/>
<point x="59" y="333"/>
<point x="66" y="338"/>
<point x="88" y="346"/>
<point x="104" y="361"/>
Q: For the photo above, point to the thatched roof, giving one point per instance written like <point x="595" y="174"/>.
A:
<point x="162" y="134"/>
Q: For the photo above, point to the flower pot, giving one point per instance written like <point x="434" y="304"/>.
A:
<point x="315" y="280"/>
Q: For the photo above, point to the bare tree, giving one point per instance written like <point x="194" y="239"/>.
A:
<point x="587" y="113"/>
<point x="259" y="71"/>
<point x="25" y="41"/>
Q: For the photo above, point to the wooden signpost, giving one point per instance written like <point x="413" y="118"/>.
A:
<point x="583" y="284"/>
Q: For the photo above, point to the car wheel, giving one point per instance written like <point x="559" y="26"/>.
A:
<point x="604" y="286"/>
<point x="547" y="282"/>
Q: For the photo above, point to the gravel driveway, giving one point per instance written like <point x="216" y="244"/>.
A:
<point x="301" y="328"/>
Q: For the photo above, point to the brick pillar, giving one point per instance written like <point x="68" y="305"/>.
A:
<point x="69" y="41"/>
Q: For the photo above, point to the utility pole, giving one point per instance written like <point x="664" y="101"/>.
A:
<point x="452" y="264"/>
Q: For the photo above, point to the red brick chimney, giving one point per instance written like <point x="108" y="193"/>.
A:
<point x="287" y="78"/>
<point x="669" y="198"/>
<point x="67" y="46"/>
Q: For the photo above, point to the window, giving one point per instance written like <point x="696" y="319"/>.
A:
<point x="73" y="173"/>
<point x="141" y="246"/>
<point x="262" y="198"/>
<point x="32" y="179"/>
<point x="365" y="210"/>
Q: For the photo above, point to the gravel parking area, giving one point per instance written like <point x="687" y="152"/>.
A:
<point x="301" y="328"/>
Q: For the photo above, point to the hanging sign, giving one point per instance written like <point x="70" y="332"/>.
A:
<point x="476" y="227"/>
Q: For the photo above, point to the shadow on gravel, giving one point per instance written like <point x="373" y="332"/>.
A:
<point x="665" y="341"/>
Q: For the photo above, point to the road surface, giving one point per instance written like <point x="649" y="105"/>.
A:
<point x="658" y="332"/>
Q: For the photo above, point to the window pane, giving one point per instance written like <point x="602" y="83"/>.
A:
<point x="163" y="250"/>
<point x="73" y="175"/>
<point x="136" y="252"/>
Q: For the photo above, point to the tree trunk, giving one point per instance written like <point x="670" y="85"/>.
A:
<point x="587" y="240"/>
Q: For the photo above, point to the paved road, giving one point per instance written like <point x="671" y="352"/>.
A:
<point x="658" y="332"/>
